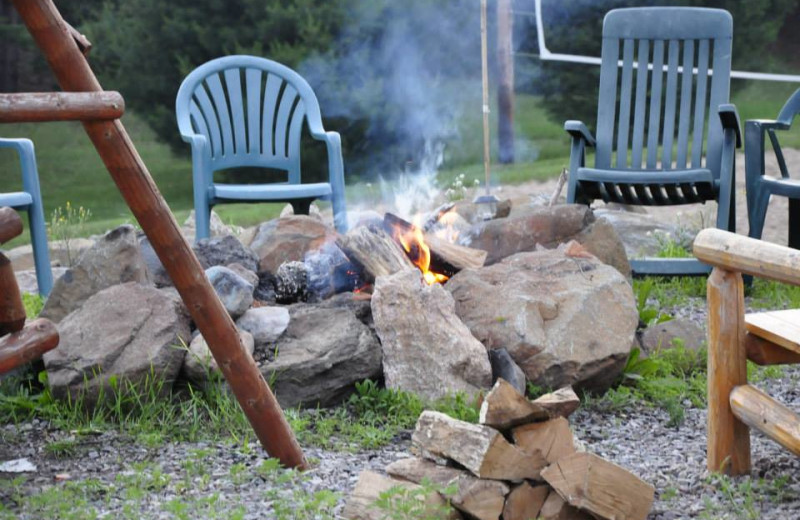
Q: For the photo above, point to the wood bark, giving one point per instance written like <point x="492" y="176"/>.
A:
<point x="600" y="487"/>
<point x="560" y="403"/>
<point x="60" y="106"/>
<point x="552" y="439"/>
<point x="525" y="502"/>
<point x="136" y="185"/>
<point x="374" y="250"/>
<point x="505" y="83"/>
<point x="28" y="344"/>
<point x="760" y="411"/>
<point x="12" y="310"/>
<point x="446" y="258"/>
<point x="360" y="504"/>
<point x="728" y="438"/>
<point x="10" y="225"/>
<point x="481" y="499"/>
<point x="480" y="449"/>
<point x="748" y="255"/>
<point x="504" y="407"/>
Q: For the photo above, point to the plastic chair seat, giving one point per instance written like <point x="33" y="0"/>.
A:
<point x="16" y="199"/>
<point x="268" y="192"/>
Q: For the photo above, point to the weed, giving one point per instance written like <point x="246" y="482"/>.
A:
<point x="414" y="503"/>
<point x="33" y="304"/>
<point x="67" y="224"/>
<point x="648" y="315"/>
<point x="743" y="498"/>
<point x="62" y="449"/>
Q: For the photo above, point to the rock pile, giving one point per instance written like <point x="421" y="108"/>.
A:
<point x="519" y="463"/>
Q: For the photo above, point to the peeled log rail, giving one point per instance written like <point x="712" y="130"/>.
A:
<point x="748" y="255"/>
<point x="28" y="344"/>
<point x="728" y="438"/>
<point x="758" y="410"/>
<point x="10" y="225"/>
<point x="130" y="174"/>
<point x="60" y="106"/>
<point x="12" y="310"/>
<point x="446" y="258"/>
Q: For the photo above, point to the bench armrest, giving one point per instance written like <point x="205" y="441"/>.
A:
<point x="746" y="255"/>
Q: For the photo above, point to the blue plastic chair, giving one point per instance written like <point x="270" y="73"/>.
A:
<point x="30" y="200"/>
<point x="761" y="186"/>
<point x="658" y="162"/>
<point x="258" y="127"/>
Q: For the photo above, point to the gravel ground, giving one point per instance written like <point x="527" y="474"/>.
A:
<point x="672" y="459"/>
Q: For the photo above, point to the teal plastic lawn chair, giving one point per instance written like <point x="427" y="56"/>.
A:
<point x="760" y="185"/>
<point x="669" y="136"/>
<point x="30" y="200"/>
<point x="257" y="126"/>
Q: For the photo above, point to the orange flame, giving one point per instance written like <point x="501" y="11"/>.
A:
<point x="418" y="251"/>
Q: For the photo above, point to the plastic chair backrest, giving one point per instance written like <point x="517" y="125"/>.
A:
<point x="651" y="43"/>
<point x="256" y="126"/>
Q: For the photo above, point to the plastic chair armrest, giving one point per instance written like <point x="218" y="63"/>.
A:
<point x="578" y="130"/>
<point x="730" y="120"/>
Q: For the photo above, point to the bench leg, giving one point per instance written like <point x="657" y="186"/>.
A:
<point x="728" y="438"/>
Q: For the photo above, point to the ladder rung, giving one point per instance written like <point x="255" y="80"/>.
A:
<point x="32" y="107"/>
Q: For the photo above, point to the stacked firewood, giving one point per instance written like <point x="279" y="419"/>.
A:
<point x="519" y="463"/>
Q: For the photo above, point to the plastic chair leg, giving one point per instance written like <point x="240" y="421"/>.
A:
<point x="41" y="254"/>
<point x="758" y="213"/>
<point x="202" y="219"/>
<point x="794" y="223"/>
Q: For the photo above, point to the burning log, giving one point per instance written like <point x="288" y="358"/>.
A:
<point x="375" y="250"/>
<point x="445" y="258"/>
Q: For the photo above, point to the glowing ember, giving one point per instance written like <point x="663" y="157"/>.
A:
<point x="420" y="254"/>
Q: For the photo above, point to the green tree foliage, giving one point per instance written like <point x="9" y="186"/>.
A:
<point x="575" y="27"/>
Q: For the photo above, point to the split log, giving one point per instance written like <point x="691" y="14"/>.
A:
<point x="27" y="345"/>
<point x="377" y="252"/>
<point x="553" y="439"/>
<point x="556" y="508"/>
<point x="10" y="225"/>
<point x="560" y="403"/>
<point x="481" y="499"/>
<point x="60" y="106"/>
<point x="361" y="503"/>
<point x="504" y="407"/>
<point x="525" y="502"/>
<point x="480" y="449"/>
<point x="600" y="487"/>
<point x="12" y="311"/>
<point x="446" y="258"/>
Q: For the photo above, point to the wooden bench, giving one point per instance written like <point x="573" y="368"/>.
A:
<point x="766" y="338"/>
<point x="19" y="343"/>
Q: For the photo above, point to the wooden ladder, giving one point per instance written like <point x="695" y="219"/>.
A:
<point x="19" y="343"/>
<point x="766" y="338"/>
<point x="84" y="100"/>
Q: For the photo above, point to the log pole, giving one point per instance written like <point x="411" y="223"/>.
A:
<point x="60" y="106"/>
<point x="728" y="438"/>
<point x="28" y="344"/>
<point x="73" y="73"/>
<point x="10" y="225"/>
<point x="12" y="311"/>
<point x="760" y="411"/>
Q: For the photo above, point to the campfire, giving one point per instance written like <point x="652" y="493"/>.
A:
<point x="413" y="241"/>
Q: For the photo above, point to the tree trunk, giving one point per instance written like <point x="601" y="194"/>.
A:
<point x="505" y="83"/>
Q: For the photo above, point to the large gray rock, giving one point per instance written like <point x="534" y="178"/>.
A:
<point x="548" y="226"/>
<point x="157" y="272"/>
<point x="641" y="234"/>
<point x="63" y="253"/>
<point x="320" y="357"/>
<point x="678" y="331"/>
<point x="266" y="324"/>
<point x="224" y="250"/>
<point x="217" y="228"/>
<point x="199" y="365"/>
<point x="129" y="331"/>
<point x="563" y="316"/>
<point x="427" y="350"/>
<point x="235" y="293"/>
<point x="27" y="282"/>
<point x="113" y="259"/>
<point x="288" y="239"/>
